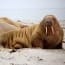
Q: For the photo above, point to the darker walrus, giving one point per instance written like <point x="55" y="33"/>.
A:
<point x="51" y="34"/>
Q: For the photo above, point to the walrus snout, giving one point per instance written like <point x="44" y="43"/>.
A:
<point x="49" y="23"/>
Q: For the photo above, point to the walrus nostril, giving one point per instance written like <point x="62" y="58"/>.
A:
<point x="49" y="22"/>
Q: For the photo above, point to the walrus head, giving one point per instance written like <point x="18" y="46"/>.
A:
<point x="52" y="31"/>
<point x="48" y="25"/>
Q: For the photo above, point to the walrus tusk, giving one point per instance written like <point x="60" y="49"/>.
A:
<point x="52" y="29"/>
<point x="46" y="30"/>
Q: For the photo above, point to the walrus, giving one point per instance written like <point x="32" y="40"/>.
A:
<point x="11" y="22"/>
<point x="48" y="34"/>
<point x="5" y="27"/>
<point x="51" y="33"/>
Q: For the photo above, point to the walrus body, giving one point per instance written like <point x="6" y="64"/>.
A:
<point x="19" y="38"/>
<point x="5" y="28"/>
<point x="47" y="35"/>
